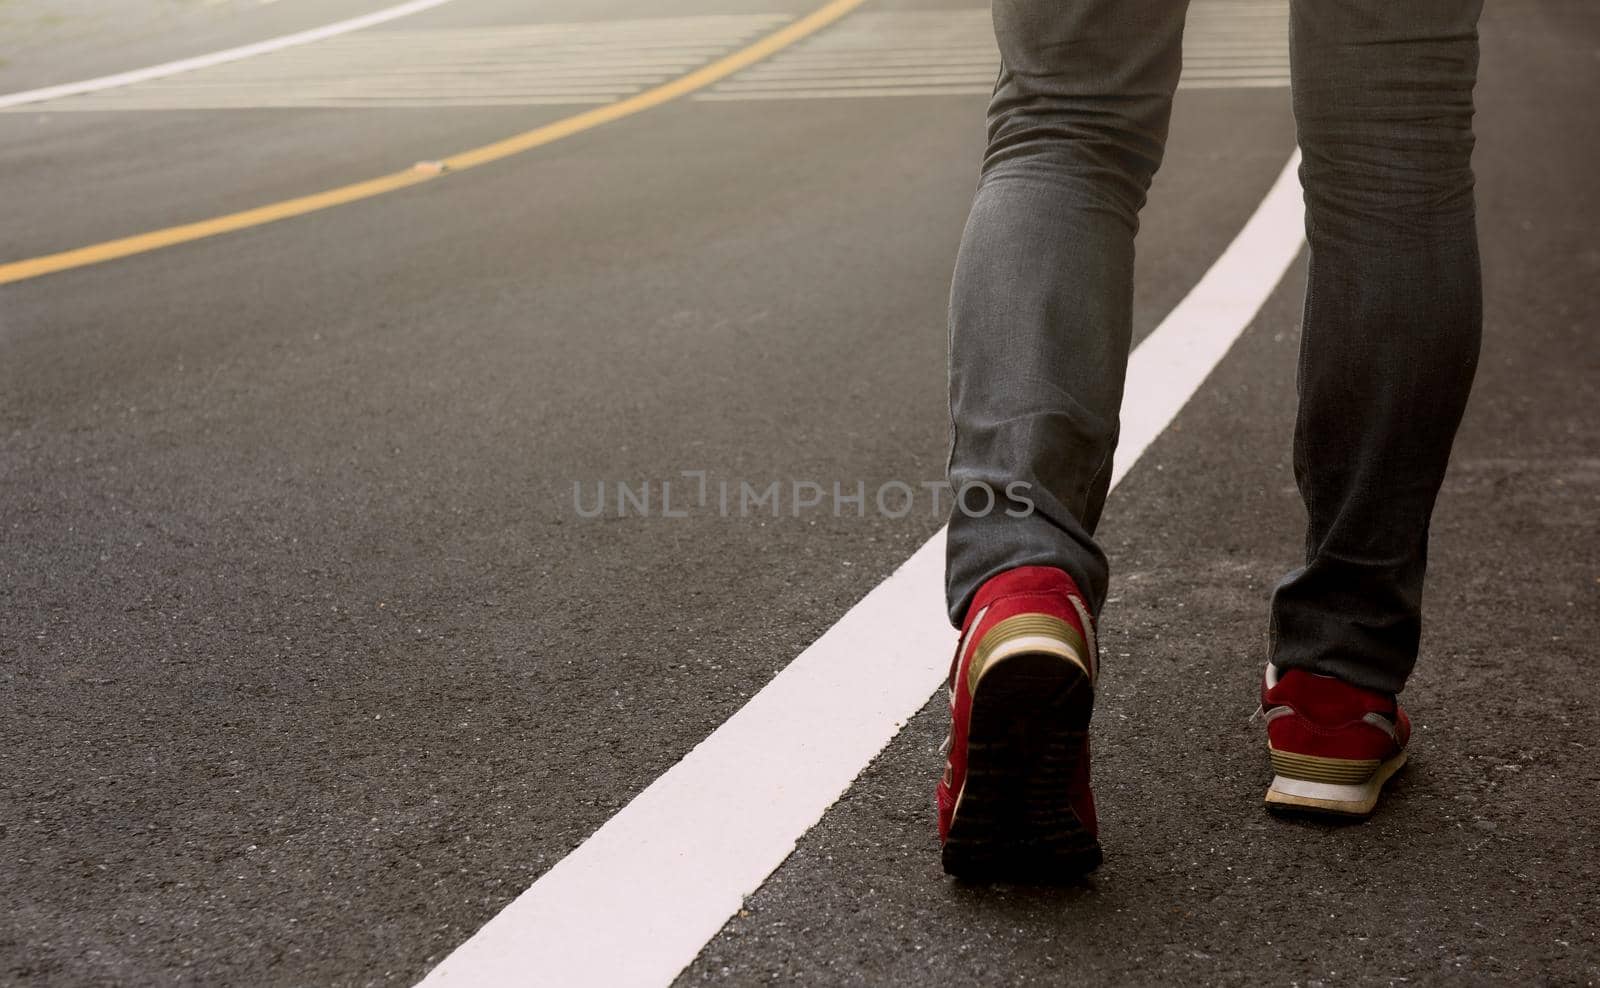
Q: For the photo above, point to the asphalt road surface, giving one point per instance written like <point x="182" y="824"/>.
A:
<point x="309" y="663"/>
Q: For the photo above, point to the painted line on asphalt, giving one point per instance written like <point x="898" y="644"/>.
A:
<point x="529" y="63"/>
<point x="218" y="57"/>
<point x="635" y="903"/>
<point x="700" y="78"/>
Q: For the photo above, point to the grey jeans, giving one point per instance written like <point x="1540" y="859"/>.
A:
<point x="1040" y="307"/>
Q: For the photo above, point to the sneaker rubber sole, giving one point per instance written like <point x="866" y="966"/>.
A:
<point x="1329" y="798"/>
<point x="1013" y="819"/>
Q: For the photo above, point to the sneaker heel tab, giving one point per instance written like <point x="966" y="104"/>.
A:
<point x="1024" y="580"/>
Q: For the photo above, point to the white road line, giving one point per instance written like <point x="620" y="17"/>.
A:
<point x="635" y="903"/>
<point x="536" y="63"/>
<point x="872" y="54"/>
<point x="1169" y="365"/>
<point x="219" y="57"/>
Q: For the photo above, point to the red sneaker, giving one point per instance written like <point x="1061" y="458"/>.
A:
<point x="1015" y="801"/>
<point x="1333" y="745"/>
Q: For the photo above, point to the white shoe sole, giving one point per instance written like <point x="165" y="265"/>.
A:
<point x="1307" y="796"/>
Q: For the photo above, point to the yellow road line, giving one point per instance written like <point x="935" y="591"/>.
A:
<point x="35" y="267"/>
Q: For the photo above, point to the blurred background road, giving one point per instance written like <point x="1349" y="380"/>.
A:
<point x="308" y="663"/>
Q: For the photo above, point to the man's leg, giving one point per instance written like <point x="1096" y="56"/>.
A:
<point x="1039" y="326"/>
<point x="1040" y="306"/>
<point x="1383" y="102"/>
<point x="1393" y="314"/>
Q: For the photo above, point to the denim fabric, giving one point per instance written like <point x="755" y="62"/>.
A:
<point x="1041" y="304"/>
